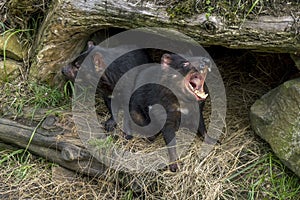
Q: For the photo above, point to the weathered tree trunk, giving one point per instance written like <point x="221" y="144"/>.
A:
<point x="69" y="24"/>
<point x="67" y="151"/>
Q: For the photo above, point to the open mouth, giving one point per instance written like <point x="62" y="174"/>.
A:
<point x="195" y="85"/>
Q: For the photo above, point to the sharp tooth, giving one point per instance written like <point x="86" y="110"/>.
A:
<point x="201" y="94"/>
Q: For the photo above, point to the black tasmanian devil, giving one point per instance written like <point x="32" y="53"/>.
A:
<point x="189" y="88"/>
<point x="186" y="81"/>
<point x="111" y="75"/>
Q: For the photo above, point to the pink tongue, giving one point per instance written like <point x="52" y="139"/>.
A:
<point x="196" y="82"/>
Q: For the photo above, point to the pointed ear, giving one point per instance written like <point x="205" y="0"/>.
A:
<point x="186" y="64"/>
<point x="99" y="62"/>
<point x="165" y="61"/>
<point x="90" y="44"/>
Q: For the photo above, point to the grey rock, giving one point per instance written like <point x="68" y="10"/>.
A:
<point x="276" y="118"/>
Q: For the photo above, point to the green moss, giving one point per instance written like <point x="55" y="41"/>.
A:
<point x="290" y="83"/>
<point x="228" y="9"/>
<point x="181" y="9"/>
<point x="234" y="11"/>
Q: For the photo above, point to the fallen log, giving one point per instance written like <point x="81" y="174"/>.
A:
<point x="70" y="23"/>
<point x="55" y="146"/>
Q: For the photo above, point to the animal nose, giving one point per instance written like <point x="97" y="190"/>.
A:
<point x="63" y="71"/>
<point x="206" y="64"/>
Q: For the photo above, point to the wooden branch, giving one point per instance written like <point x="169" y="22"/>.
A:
<point x="54" y="146"/>
<point x="69" y="24"/>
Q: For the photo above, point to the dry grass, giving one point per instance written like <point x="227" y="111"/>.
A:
<point x="231" y="171"/>
<point x="17" y="14"/>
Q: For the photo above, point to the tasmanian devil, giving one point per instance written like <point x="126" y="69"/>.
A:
<point x="189" y="87"/>
<point x="186" y="88"/>
<point x="112" y="73"/>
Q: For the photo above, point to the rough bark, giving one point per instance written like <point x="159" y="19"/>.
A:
<point x="66" y="150"/>
<point x="69" y="24"/>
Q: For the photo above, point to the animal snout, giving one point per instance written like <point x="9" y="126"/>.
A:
<point x="64" y="70"/>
